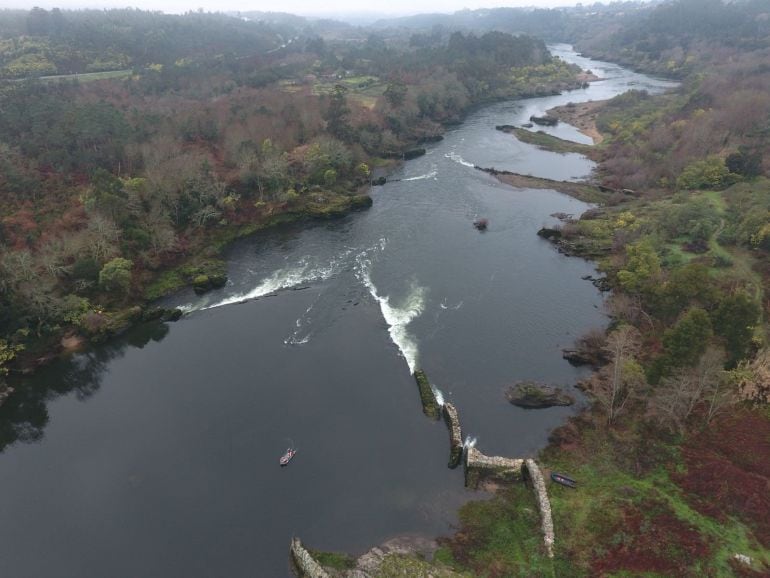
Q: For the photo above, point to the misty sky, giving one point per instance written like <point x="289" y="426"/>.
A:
<point x="295" y="6"/>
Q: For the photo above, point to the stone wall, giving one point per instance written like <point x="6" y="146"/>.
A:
<point x="455" y="435"/>
<point x="494" y="469"/>
<point x="430" y="406"/>
<point x="543" y="503"/>
<point x="304" y="562"/>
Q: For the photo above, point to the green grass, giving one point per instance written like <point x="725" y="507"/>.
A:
<point x="504" y="534"/>
<point x="584" y="519"/>
<point x="551" y="143"/>
<point x="400" y="566"/>
<point x="366" y="95"/>
<point x="336" y="560"/>
<point x="674" y="255"/>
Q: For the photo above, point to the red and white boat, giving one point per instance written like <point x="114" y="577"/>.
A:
<point x="286" y="458"/>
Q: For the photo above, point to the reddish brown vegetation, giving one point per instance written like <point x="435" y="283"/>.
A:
<point x="650" y="538"/>
<point x="728" y="472"/>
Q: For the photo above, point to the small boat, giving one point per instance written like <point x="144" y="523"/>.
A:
<point x="563" y="480"/>
<point x="481" y="224"/>
<point x="286" y="458"/>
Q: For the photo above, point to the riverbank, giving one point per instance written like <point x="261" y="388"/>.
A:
<point x="195" y="259"/>
<point x="202" y="267"/>
<point x="581" y="191"/>
<point x="581" y="115"/>
<point x="659" y="493"/>
<point x="648" y="478"/>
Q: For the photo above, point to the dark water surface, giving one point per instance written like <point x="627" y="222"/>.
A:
<point x="156" y="455"/>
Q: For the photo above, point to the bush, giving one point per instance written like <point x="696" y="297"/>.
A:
<point x="709" y="173"/>
<point x="116" y="275"/>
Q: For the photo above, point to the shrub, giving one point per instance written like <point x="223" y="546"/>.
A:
<point x="116" y="275"/>
<point x="709" y="173"/>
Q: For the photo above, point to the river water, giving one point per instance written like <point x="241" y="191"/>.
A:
<point x="156" y="455"/>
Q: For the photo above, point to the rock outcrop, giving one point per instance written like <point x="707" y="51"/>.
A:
<point x="545" y="120"/>
<point x="203" y="283"/>
<point x="541" y="494"/>
<point x="413" y="153"/>
<point x="305" y="563"/>
<point x="531" y="395"/>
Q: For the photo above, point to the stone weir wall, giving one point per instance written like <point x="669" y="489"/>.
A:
<point x="455" y="435"/>
<point x="430" y="405"/>
<point x="481" y="468"/>
<point x="541" y="494"/>
<point x="304" y="562"/>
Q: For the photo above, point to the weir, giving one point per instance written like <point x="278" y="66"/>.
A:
<point x="455" y="434"/>
<point x="480" y="468"/>
<point x="430" y="405"/>
<point x="305" y="563"/>
<point x="495" y="469"/>
<point x="544" y="504"/>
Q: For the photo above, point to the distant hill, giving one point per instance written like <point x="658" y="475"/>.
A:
<point x="55" y="42"/>
<point x="558" y="24"/>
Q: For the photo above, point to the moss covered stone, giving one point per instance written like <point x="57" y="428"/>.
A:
<point x="430" y="406"/>
<point x="532" y="395"/>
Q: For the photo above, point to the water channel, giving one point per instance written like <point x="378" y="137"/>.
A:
<point x="156" y="455"/>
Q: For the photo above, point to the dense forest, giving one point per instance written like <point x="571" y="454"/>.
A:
<point x="183" y="132"/>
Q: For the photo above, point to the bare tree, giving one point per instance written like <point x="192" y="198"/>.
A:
<point x="628" y="308"/>
<point x="677" y="396"/>
<point x="158" y="224"/>
<point x="52" y="257"/>
<point x="619" y="381"/>
<point x="103" y="235"/>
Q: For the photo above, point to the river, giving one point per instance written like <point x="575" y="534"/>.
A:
<point x="156" y="454"/>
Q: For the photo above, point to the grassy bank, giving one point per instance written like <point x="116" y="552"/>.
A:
<point x="547" y="142"/>
<point x="583" y="191"/>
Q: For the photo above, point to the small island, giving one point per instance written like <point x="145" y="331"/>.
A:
<point x="533" y="395"/>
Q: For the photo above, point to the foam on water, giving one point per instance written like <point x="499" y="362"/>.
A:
<point x="430" y="175"/>
<point x="470" y="442"/>
<point x="304" y="272"/>
<point x="444" y="305"/>
<point x="438" y="394"/>
<point x="397" y="316"/>
<point x="301" y="334"/>
<point x="458" y="159"/>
